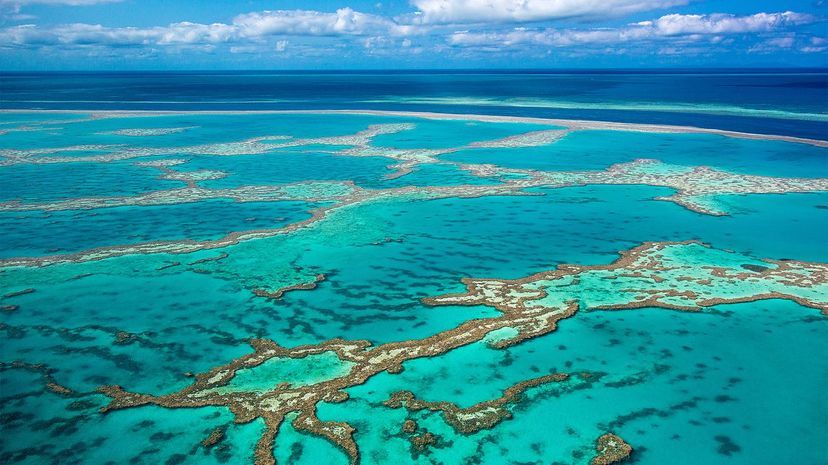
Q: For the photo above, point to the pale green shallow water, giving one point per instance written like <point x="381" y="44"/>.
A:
<point x="736" y="384"/>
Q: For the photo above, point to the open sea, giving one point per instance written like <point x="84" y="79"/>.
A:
<point x="414" y="268"/>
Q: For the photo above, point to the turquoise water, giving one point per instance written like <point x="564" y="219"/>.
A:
<point x="284" y="168"/>
<point x="49" y="182"/>
<point x="737" y="383"/>
<point x="38" y="232"/>
<point x="449" y="134"/>
<point x="593" y="150"/>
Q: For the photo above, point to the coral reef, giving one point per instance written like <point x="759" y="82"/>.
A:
<point x="611" y="449"/>
<point x="483" y="415"/>
<point x="671" y="275"/>
<point x="143" y="132"/>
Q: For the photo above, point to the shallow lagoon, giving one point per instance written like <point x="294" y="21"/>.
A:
<point x="671" y="381"/>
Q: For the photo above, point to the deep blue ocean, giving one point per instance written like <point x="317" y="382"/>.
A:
<point x="763" y="101"/>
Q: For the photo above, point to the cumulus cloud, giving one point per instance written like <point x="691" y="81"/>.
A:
<point x="246" y="27"/>
<point x="780" y="42"/>
<point x="676" y="24"/>
<point x="345" y="21"/>
<point x="477" y="11"/>
<point x="93" y="34"/>
<point x="815" y="45"/>
<point x="801" y="43"/>
<point x="268" y="31"/>
<point x="688" y="27"/>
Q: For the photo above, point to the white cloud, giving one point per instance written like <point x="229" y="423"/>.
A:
<point x="773" y="44"/>
<point x="478" y="11"/>
<point x="239" y="49"/>
<point x="344" y="21"/>
<point x="251" y="27"/>
<point x="814" y="45"/>
<point x="268" y="31"/>
<point x="676" y="24"/>
<point x="678" y="27"/>
<point x="792" y="41"/>
<point x="781" y="42"/>
<point x="95" y="34"/>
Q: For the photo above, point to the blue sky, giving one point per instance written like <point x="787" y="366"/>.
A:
<point x="381" y="34"/>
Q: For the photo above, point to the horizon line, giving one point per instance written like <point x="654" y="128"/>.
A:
<point x="563" y="70"/>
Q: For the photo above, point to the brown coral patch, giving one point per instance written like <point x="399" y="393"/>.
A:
<point x="18" y="293"/>
<point x="278" y="293"/>
<point x="423" y="441"/>
<point x="216" y="436"/>
<point x="483" y="415"/>
<point x="409" y="426"/>
<point x="46" y="374"/>
<point x="611" y="449"/>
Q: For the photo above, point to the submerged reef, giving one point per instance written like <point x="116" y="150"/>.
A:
<point x="572" y="125"/>
<point x="687" y="276"/>
<point x="483" y="415"/>
<point x="696" y="189"/>
<point x="278" y="293"/>
<point x="695" y="186"/>
<point x="252" y="146"/>
<point x="190" y="178"/>
<point x="281" y="385"/>
<point x="46" y="373"/>
<point x="142" y="132"/>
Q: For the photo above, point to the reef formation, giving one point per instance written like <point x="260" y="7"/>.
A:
<point x="682" y="276"/>
<point x="686" y="276"/>
<point x="697" y="188"/>
<point x="611" y="449"/>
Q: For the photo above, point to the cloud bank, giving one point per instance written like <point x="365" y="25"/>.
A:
<point x="451" y="29"/>
<point x="247" y="27"/>
<point x="480" y="11"/>
<point x="693" y="27"/>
